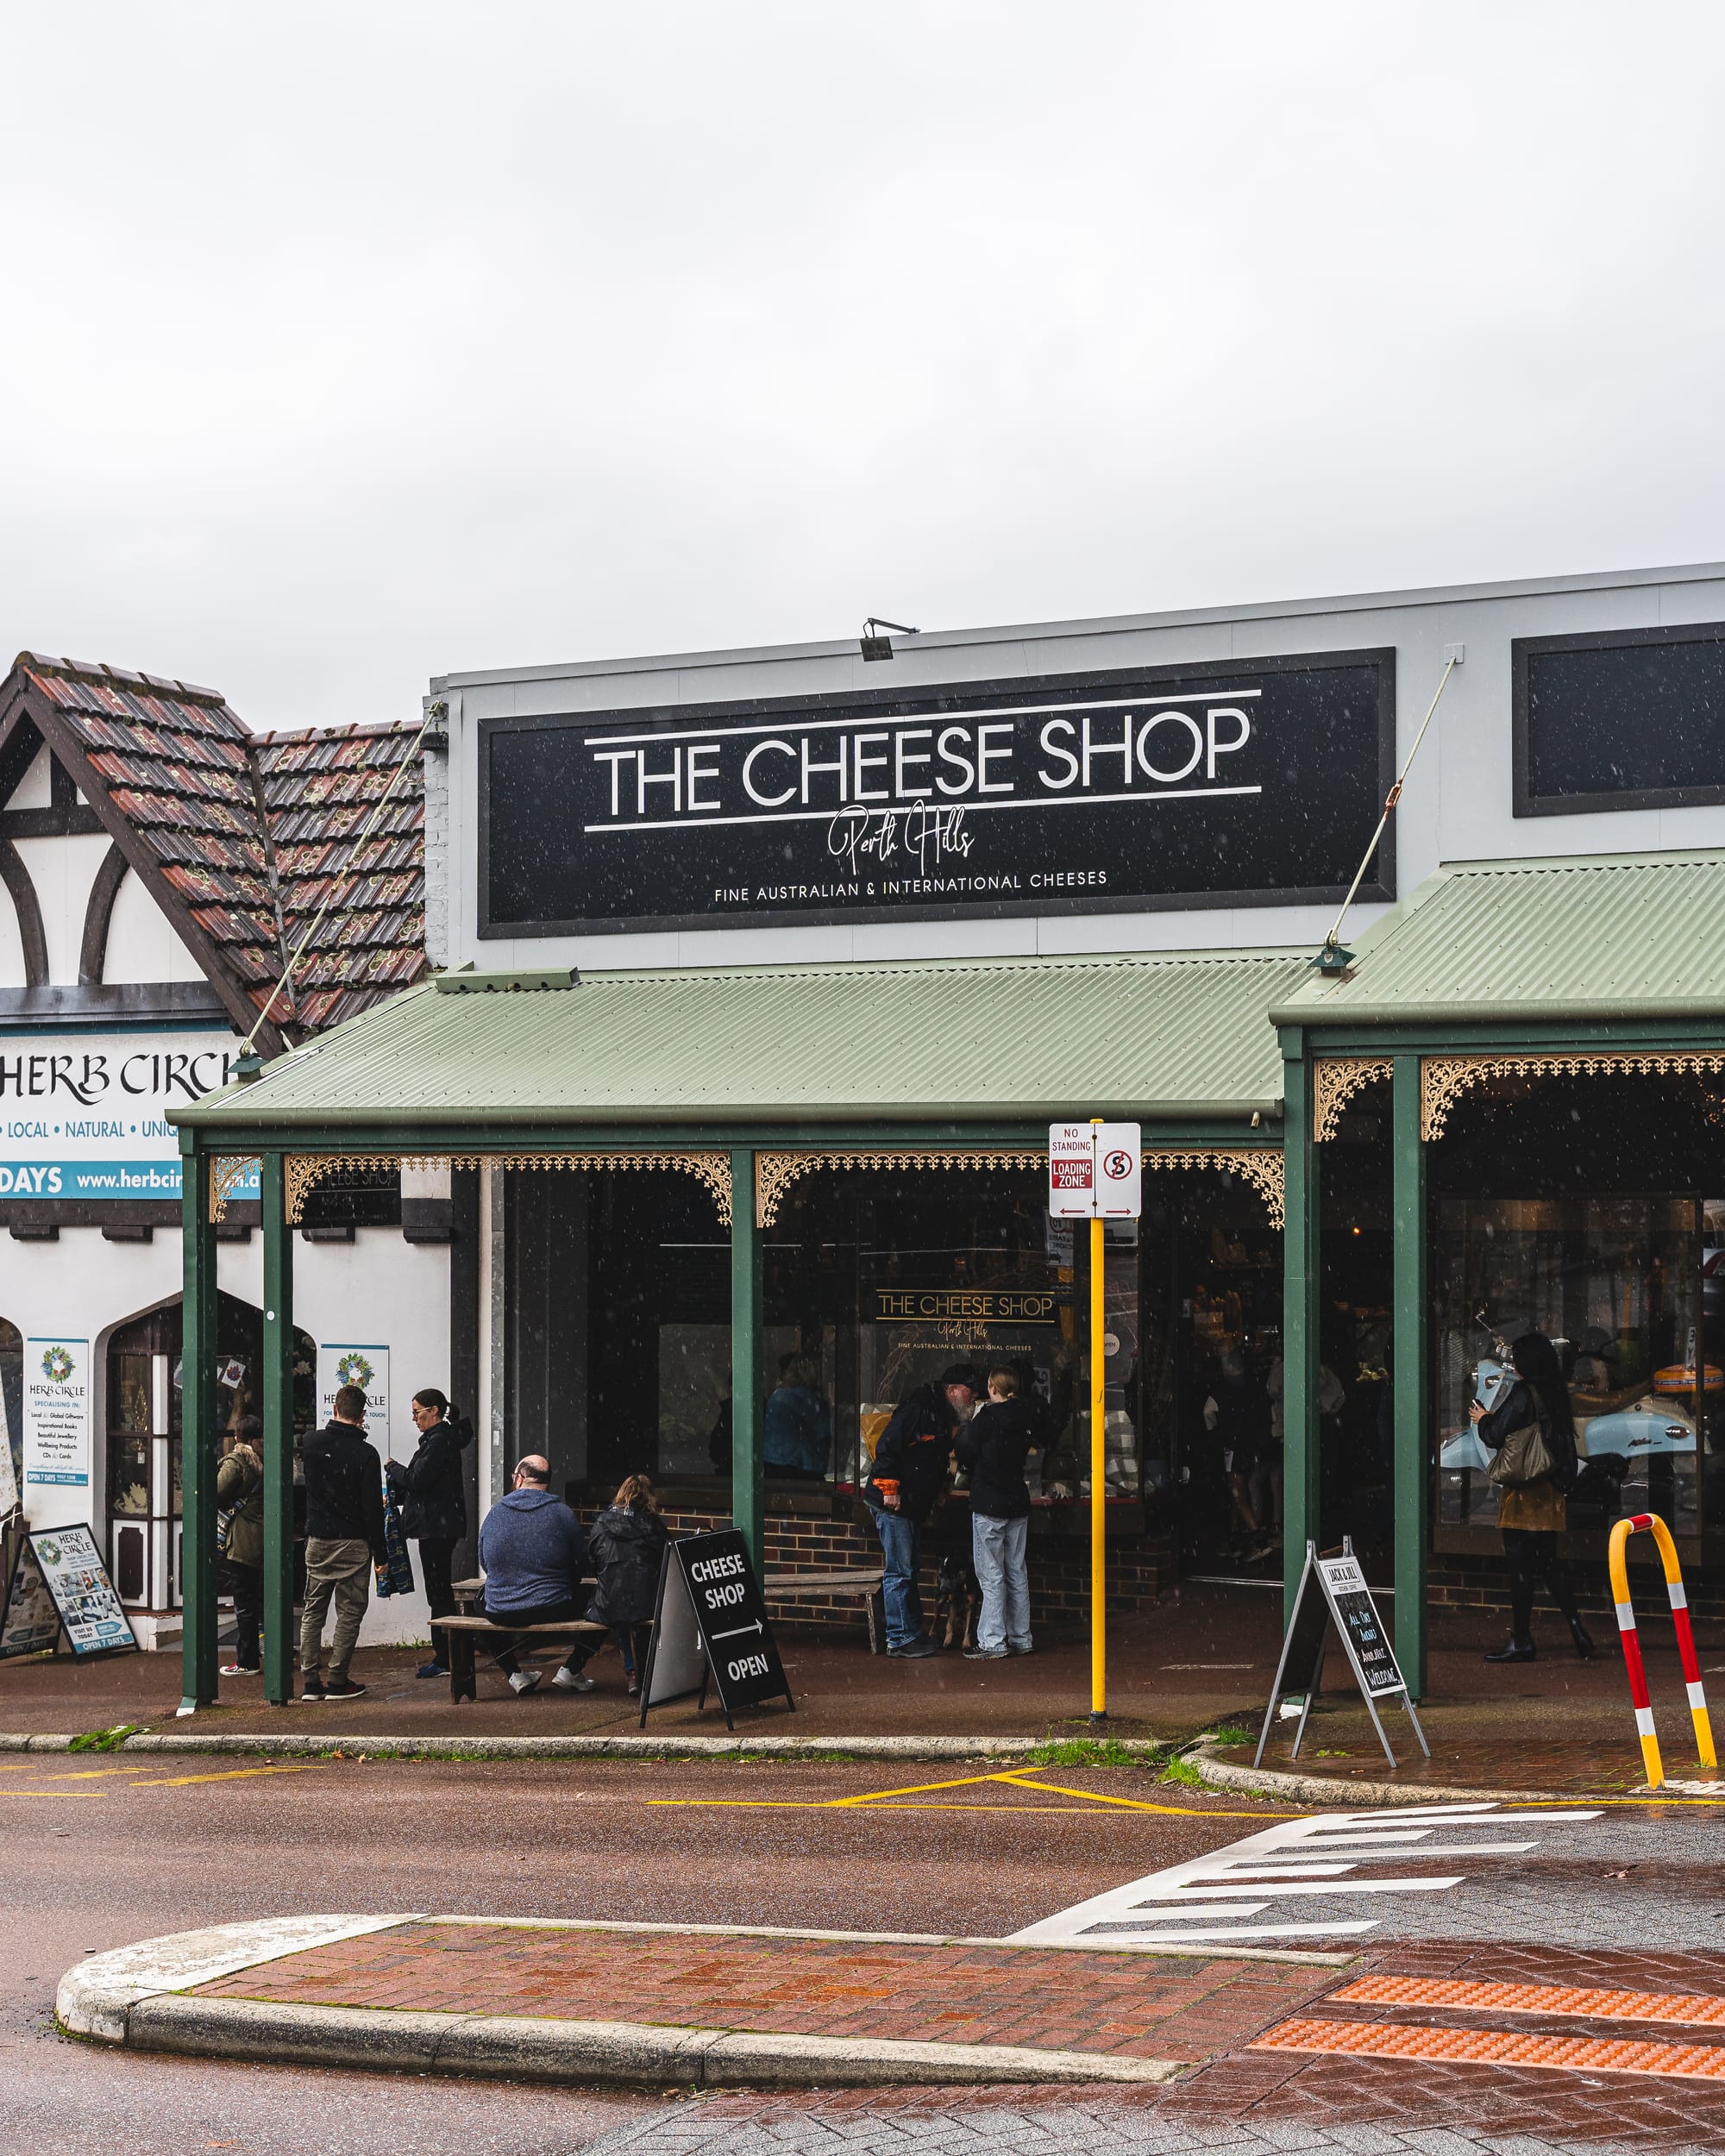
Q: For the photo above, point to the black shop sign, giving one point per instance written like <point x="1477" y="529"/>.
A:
<point x="1259" y="784"/>
<point x="710" y="1625"/>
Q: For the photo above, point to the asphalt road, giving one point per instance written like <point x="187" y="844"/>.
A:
<point x="141" y="1847"/>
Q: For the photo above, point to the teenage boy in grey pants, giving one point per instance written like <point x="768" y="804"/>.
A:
<point x="343" y="1542"/>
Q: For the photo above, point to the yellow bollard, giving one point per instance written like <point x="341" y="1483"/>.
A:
<point x="1099" y="1462"/>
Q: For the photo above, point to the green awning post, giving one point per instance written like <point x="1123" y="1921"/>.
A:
<point x="1302" y="1517"/>
<point x="748" y="1477"/>
<point x="278" y="1407"/>
<point x="1409" y="1372"/>
<point x="197" y="1432"/>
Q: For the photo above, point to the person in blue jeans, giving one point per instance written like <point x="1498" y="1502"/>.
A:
<point x="991" y="1447"/>
<point x="906" y="1482"/>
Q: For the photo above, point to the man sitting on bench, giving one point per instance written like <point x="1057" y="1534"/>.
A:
<point x="534" y="1557"/>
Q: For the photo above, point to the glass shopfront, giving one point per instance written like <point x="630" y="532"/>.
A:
<point x="874" y="1281"/>
<point x="1578" y="1208"/>
<point x="1617" y="1284"/>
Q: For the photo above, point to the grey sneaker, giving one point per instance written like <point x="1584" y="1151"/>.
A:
<point x="571" y="1680"/>
<point x="985" y="1654"/>
<point x="523" y="1681"/>
<point x="914" y="1651"/>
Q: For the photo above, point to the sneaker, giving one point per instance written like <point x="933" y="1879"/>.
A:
<point x="985" y="1654"/>
<point x="342" y="1688"/>
<point x="634" y="1688"/>
<point x="242" y="1669"/>
<point x="1027" y="1649"/>
<point x="313" y="1692"/>
<point x="567" y="1680"/>
<point x="432" y="1669"/>
<point x="914" y="1651"/>
<point x="524" y="1680"/>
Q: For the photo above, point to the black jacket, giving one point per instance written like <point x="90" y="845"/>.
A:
<point x="912" y="1454"/>
<point x="1520" y="1405"/>
<point x="627" y="1549"/>
<point x="434" y="1507"/>
<point x="343" y="1489"/>
<point x="991" y="1445"/>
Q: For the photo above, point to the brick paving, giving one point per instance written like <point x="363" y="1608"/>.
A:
<point x="1205" y="2010"/>
<point x="1162" y="2008"/>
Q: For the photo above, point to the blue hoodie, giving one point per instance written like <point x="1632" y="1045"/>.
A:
<point x="532" y="1552"/>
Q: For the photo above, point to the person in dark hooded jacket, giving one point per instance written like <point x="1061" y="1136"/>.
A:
<point x="627" y="1542"/>
<point x="906" y="1480"/>
<point x="434" y="1507"/>
<point x="993" y="1446"/>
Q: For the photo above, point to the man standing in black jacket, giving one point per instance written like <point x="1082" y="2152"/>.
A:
<point x="993" y="1447"/>
<point x="434" y="1507"/>
<point x="906" y="1482"/>
<point x="344" y="1538"/>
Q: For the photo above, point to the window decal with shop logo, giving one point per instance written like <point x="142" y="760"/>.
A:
<point x="1257" y="783"/>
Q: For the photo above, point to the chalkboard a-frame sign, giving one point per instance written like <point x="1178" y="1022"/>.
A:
<point x="710" y="1625"/>
<point x="1332" y="1591"/>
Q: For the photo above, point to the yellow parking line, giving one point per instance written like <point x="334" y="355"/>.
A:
<point x="916" y="1789"/>
<point x="234" y="1774"/>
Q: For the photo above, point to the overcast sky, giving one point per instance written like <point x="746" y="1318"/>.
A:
<point x="350" y="343"/>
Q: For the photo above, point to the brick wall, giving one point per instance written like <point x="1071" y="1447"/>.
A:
<point x="1059" y="1570"/>
<point x="1459" y="1580"/>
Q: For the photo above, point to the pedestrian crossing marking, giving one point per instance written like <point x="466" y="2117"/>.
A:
<point x="1210" y="1900"/>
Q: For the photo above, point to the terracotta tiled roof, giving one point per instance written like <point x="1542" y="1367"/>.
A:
<point x="243" y="836"/>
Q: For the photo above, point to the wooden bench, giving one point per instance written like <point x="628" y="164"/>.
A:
<point x="809" y="1587"/>
<point x="465" y="1630"/>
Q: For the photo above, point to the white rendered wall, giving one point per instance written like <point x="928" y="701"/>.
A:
<point x="35" y="789"/>
<point x="63" y="870"/>
<point x="377" y="1288"/>
<point x="11" y="943"/>
<point x="1458" y="805"/>
<point x="142" y="944"/>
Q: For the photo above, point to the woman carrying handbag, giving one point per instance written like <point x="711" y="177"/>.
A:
<point x="1532" y="1433"/>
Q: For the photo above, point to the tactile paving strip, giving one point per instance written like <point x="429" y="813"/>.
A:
<point x="1500" y="2047"/>
<point x="1687" y="2010"/>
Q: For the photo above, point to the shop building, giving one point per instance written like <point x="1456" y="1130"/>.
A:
<point x="158" y="862"/>
<point x="758" y="976"/>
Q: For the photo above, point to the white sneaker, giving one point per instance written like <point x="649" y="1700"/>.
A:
<point x="524" y="1680"/>
<point x="567" y="1680"/>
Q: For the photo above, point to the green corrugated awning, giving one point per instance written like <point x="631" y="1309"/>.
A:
<point x="1169" y="1036"/>
<point x="1611" y="936"/>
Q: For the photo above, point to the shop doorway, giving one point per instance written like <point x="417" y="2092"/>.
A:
<point x="145" y="1392"/>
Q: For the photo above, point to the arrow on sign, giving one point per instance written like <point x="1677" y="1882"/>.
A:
<point x="756" y="1627"/>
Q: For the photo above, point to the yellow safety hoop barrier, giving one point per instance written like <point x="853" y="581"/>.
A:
<point x="1632" y="1644"/>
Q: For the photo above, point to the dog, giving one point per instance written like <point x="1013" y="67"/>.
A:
<point x="958" y="1602"/>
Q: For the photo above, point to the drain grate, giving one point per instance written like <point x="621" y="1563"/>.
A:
<point x="1500" y="2047"/>
<point x="1686" y="2010"/>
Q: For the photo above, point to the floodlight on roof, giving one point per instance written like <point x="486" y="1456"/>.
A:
<point x="874" y="646"/>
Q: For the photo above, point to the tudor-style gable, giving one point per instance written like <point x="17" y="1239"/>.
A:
<point x="141" y="812"/>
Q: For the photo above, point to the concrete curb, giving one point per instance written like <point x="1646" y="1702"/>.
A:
<point x="314" y="1743"/>
<point x="137" y="1998"/>
<point x="1335" y="1795"/>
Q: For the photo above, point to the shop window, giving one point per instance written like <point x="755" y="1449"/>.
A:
<point x="1633" y="718"/>
<point x="1620" y="1285"/>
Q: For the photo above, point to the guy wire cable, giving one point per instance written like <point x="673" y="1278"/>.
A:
<point x="336" y="880"/>
<point x="1333" y="942"/>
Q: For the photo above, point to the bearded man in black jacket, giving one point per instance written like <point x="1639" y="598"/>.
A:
<point x="906" y="1482"/>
